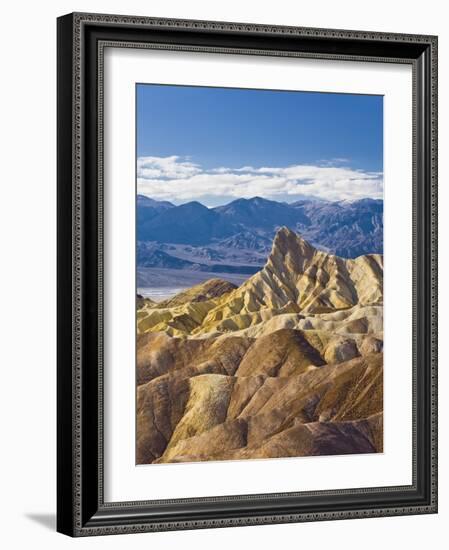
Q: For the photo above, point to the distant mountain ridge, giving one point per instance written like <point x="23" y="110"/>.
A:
<point x="346" y="228"/>
<point x="258" y="213"/>
<point x="241" y="232"/>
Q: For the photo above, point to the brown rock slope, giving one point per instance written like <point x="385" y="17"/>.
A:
<point x="183" y="313"/>
<point x="197" y="413"/>
<point x="288" y="364"/>
<point x="213" y="288"/>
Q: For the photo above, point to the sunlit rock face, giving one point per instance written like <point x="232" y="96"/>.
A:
<point x="288" y="364"/>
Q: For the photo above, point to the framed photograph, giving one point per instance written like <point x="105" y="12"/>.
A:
<point x="247" y="274"/>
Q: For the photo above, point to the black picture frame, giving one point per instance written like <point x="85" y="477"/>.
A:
<point x="81" y="509"/>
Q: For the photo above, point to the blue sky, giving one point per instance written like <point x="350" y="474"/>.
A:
<point x="223" y="143"/>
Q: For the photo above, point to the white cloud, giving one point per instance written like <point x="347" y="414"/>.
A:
<point x="166" y="167"/>
<point x="180" y="180"/>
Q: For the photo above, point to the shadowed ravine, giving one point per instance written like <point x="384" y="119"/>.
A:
<point x="288" y="364"/>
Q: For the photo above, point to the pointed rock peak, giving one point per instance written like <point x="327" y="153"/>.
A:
<point x="287" y="241"/>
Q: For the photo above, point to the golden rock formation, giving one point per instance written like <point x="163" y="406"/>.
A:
<point x="288" y="364"/>
<point x="296" y="280"/>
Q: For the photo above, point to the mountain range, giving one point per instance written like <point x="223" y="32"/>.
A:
<point x="237" y="237"/>
<point x="289" y="363"/>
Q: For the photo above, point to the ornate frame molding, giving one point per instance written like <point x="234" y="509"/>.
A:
<point x="82" y="512"/>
